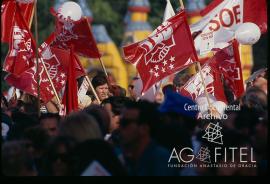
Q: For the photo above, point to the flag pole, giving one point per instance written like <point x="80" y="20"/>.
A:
<point x="92" y="88"/>
<point x="211" y="108"/>
<point x="50" y="80"/>
<point x="203" y="82"/>
<point x="14" y="95"/>
<point x="45" y="68"/>
<point x="103" y="67"/>
<point x="36" y="52"/>
<point x="181" y="4"/>
<point x="101" y="62"/>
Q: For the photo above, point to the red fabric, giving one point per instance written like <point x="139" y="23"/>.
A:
<point x="21" y="47"/>
<point x="79" y="68"/>
<point x="228" y="62"/>
<point x="8" y="9"/>
<point x="225" y="62"/>
<point x="70" y="98"/>
<point x="168" y="50"/>
<point x="76" y="33"/>
<point x="27" y="82"/>
<point x="194" y="86"/>
<point x="254" y="11"/>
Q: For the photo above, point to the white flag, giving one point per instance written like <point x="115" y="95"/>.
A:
<point x="223" y="20"/>
<point x="169" y="12"/>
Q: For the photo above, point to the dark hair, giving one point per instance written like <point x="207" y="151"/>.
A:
<point x="37" y="136"/>
<point x="99" y="80"/>
<point x="148" y="114"/>
<point x="49" y="115"/>
<point x="101" y="115"/>
<point x="15" y="158"/>
<point x="246" y="118"/>
<point x="96" y="150"/>
<point x="117" y="102"/>
<point x="52" y="154"/>
<point x="21" y="121"/>
<point x="3" y="98"/>
<point x="255" y="98"/>
<point x="81" y="126"/>
<point x="168" y="87"/>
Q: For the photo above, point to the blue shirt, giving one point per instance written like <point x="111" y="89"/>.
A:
<point x="153" y="162"/>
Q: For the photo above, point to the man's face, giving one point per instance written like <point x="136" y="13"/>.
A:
<point x="102" y="91"/>
<point x="129" y="130"/>
<point x="50" y="125"/>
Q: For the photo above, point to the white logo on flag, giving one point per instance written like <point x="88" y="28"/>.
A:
<point x="195" y="86"/>
<point x="19" y="39"/>
<point x="159" y="44"/>
<point x="66" y="33"/>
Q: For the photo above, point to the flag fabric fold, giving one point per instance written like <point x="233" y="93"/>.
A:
<point x="70" y="98"/>
<point x="78" y="66"/>
<point x="229" y="65"/>
<point x="27" y="82"/>
<point x="8" y="10"/>
<point x="194" y="88"/>
<point x="76" y="33"/>
<point x="225" y="62"/>
<point x="21" y="46"/>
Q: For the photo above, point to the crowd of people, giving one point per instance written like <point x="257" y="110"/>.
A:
<point x="126" y="136"/>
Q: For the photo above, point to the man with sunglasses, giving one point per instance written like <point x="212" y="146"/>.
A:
<point x="143" y="156"/>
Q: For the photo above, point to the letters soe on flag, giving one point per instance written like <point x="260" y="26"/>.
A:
<point x="166" y="51"/>
<point x="8" y="11"/>
<point x="223" y="17"/>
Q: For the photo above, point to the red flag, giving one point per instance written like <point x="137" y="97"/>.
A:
<point x="194" y="86"/>
<point x="65" y="62"/>
<point x="8" y="9"/>
<point x="76" y="33"/>
<point x="21" y="47"/>
<point x="228" y="62"/>
<point x="52" y="58"/>
<point x="166" y="51"/>
<point x="70" y="98"/>
<point x="256" y="11"/>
